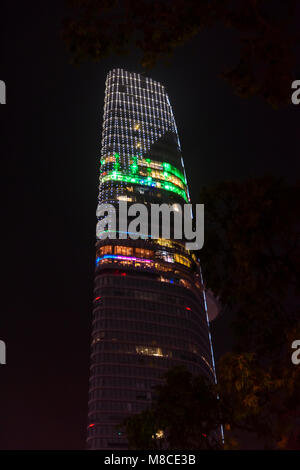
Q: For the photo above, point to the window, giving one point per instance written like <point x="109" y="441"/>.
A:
<point x="182" y="260"/>
<point x="123" y="250"/>
<point x="103" y="250"/>
<point x="124" y="198"/>
<point x="108" y="159"/>
<point x="148" y="351"/>
<point x="142" y="253"/>
<point x="162" y="254"/>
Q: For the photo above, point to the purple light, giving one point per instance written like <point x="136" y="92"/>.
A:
<point x="125" y="258"/>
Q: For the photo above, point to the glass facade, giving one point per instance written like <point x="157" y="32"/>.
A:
<point x="149" y="307"/>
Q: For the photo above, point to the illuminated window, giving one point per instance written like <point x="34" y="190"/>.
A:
<point x="158" y="435"/>
<point x="163" y="268"/>
<point x="165" y="256"/>
<point x="141" y="253"/>
<point x="164" y="242"/>
<point x="108" y="159"/>
<point x="185" y="283"/>
<point x="124" y="198"/>
<point x="133" y="178"/>
<point x="166" y="167"/>
<point x="103" y="250"/>
<point x="182" y="260"/>
<point x="167" y="177"/>
<point x="149" y="351"/>
<point x="123" y="250"/>
<point x="150" y="164"/>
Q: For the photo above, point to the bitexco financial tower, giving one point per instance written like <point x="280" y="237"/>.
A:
<point x="149" y="304"/>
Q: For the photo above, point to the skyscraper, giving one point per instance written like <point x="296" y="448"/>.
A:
<point x="149" y="305"/>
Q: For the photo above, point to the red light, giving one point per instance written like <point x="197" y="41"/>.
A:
<point x="91" y="425"/>
<point x="97" y="298"/>
<point x="204" y="435"/>
<point x="187" y="308"/>
<point x="119" y="273"/>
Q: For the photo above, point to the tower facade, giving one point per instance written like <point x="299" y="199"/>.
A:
<point x="149" y="309"/>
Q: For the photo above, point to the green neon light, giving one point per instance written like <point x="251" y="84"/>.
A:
<point x="172" y="169"/>
<point x="134" y="168"/>
<point x="117" y="163"/>
<point x="147" y="181"/>
<point x="167" y="167"/>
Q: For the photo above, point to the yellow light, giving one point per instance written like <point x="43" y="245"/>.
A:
<point x="158" y="435"/>
<point x="149" y="351"/>
<point x="124" y="198"/>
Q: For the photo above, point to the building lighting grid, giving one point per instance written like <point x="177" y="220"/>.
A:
<point x="125" y="141"/>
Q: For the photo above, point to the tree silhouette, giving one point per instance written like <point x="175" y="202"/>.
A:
<point x="250" y="261"/>
<point x="265" y="29"/>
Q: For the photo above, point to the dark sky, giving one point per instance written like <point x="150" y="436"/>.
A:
<point x="50" y="145"/>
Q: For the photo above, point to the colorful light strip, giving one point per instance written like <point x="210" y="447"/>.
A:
<point x="162" y="166"/>
<point x="151" y="164"/>
<point x="172" y="169"/>
<point x="146" y="181"/>
<point x="126" y="258"/>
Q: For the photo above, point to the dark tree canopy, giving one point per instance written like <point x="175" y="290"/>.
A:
<point x="251" y="258"/>
<point x="251" y="262"/>
<point x="188" y="411"/>
<point x="266" y="31"/>
<point x="184" y="415"/>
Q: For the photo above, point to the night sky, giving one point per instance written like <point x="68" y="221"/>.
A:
<point x="50" y="146"/>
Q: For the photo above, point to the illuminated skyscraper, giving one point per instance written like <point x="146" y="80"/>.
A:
<point x="149" y="307"/>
